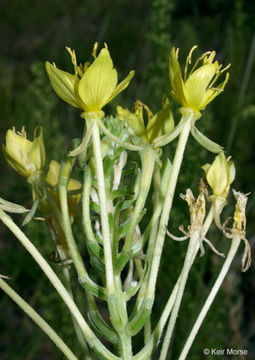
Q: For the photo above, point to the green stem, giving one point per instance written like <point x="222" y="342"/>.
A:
<point x="84" y="279"/>
<point x="88" y="333"/>
<point x="148" y="161"/>
<point x="183" y="279"/>
<point x="77" y="329"/>
<point x="91" y="243"/>
<point x="232" y="251"/>
<point x="154" y="340"/>
<point x="38" y="320"/>
<point x="168" y="202"/>
<point x="110" y="286"/>
<point x="170" y="303"/>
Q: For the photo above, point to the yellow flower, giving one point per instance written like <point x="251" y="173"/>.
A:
<point x="220" y="175"/>
<point x="73" y="185"/>
<point x="154" y="126"/>
<point x="25" y="156"/>
<point x="196" y="89"/>
<point x="91" y="87"/>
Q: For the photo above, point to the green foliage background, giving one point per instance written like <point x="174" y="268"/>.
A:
<point x="139" y="34"/>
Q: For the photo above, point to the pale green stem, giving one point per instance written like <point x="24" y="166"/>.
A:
<point x="88" y="333"/>
<point x="77" y="329"/>
<point x="147" y="350"/>
<point x="75" y="254"/>
<point x="110" y="286"/>
<point x="153" y="225"/>
<point x="182" y="283"/>
<point x="38" y="320"/>
<point x="168" y="204"/>
<point x="168" y="308"/>
<point x="64" y="177"/>
<point x="232" y="251"/>
<point x="148" y="161"/>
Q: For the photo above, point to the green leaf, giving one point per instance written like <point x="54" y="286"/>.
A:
<point x="132" y="290"/>
<point x="102" y="327"/>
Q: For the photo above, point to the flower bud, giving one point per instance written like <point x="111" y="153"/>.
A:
<point x="219" y="175"/>
<point x="25" y="156"/>
<point x="151" y="128"/>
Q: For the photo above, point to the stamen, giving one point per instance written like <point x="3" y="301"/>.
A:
<point x="73" y="56"/>
<point x="94" y="52"/>
<point x="188" y="61"/>
<point x="22" y="132"/>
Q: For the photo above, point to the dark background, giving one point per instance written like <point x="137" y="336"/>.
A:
<point x="139" y="35"/>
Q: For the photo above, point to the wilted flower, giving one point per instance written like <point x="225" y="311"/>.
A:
<point x="151" y="128"/>
<point x="196" y="89"/>
<point x="91" y="87"/>
<point x="25" y="156"/>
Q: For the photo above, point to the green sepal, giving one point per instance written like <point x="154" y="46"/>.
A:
<point x="12" y="208"/>
<point x="167" y="138"/>
<point x="205" y="142"/>
<point x="102" y="327"/>
<point x="161" y="123"/>
<point x="85" y="141"/>
<point x="31" y="213"/>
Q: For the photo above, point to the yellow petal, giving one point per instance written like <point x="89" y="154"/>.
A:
<point x="161" y="123"/>
<point x="197" y="84"/>
<point x="135" y="122"/>
<point x="74" y="185"/>
<point x="16" y="153"/>
<point x="36" y="155"/>
<point x="64" y="84"/>
<point x="176" y="79"/>
<point x="15" y="164"/>
<point x="122" y="85"/>
<point x="52" y="175"/>
<point x="232" y="172"/>
<point x="98" y="83"/>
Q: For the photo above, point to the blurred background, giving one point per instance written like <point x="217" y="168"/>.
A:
<point x="139" y="35"/>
